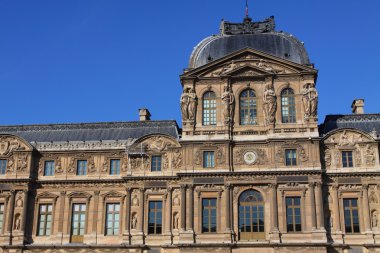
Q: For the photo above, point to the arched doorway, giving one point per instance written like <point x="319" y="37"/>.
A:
<point x="251" y="216"/>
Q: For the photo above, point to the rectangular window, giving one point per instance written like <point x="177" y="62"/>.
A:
<point x="293" y="214"/>
<point x="155" y="217"/>
<point x="347" y="159"/>
<point x="78" y="222"/>
<point x="351" y="215"/>
<point x="81" y="167"/>
<point x="208" y="215"/>
<point x="290" y="157"/>
<point x="156" y="163"/>
<point x="208" y="159"/>
<point x="115" y="167"/>
<point x="1" y="217"/>
<point x="49" y="168"/>
<point x="112" y="219"/>
<point x="45" y="218"/>
<point x="3" y="166"/>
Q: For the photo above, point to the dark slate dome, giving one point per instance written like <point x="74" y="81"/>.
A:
<point x="257" y="35"/>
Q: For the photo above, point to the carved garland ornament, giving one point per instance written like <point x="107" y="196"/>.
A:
<point x="250" y="157"/>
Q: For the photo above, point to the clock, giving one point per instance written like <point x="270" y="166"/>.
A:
<point x="250" y="157"/>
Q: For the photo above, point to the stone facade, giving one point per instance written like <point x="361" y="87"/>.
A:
<point x="251" y="171"/>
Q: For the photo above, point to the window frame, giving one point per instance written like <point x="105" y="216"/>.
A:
<point x="50" y="169"/>
<point x="208" y="157"/>
<point x="3" y="166"/>
<point x="289" y="107"/>
<point x="2" y="215"/>
<point x="209" y="108"/>
<point x="155" y="163"/>
<point x="80" y="171"/>
<point x="248" y="114"/>
<point x="81" y="213"/>
<point x="293" y="207"/>
<point x="157" y="215"/>
<point x="45" y="214"/>
<point x="114" y="172"/>
<point x="113" y="221"/>
<point x="210" y="208"/>
<point x="293" y="160"/>
<point x="346" y="162"/>
<point x="351" y="209"/>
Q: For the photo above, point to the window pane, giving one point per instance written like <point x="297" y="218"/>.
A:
<point x="209" y="108"/>
<point x="293" y="211"/>
<point x="3" y="166"/>
<point x="248" y="108"/>
<point x="208" y="159"/>
<point x="155" y="217"/>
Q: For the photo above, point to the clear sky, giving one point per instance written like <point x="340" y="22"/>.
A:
<point x="90" y="60"/>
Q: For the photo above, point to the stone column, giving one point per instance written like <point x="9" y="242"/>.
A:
<point x="336" y="213"/>
<point x="219" y="215"/>
<point x="25" y="211"/>
<point x="312" y="205"/>
<point x="183" y="207"/>
<point x="319" y="206"/>
<point x="127" y="212"/>
<point x="168" y="211"/>
<point x="367" y="225"/>
<point x="62" y="197"/>
<point x="141" y="211"/>
<point x="190" y="206"/>
<point x="227" y="188"/>
<point x="95" y="212"/>
<point x="274" y="208"/>
<point x="11" y="211"/>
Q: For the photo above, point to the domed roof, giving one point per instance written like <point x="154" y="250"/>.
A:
<point x="257" y="35"/>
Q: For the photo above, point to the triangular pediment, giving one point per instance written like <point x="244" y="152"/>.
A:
<point x="248" y="62"/>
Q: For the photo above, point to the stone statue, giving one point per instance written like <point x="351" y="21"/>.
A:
<point x="310" y="100"/>
<point x="270" y="104"/>
<point x="374" y="220"/>
<point x="188" y="104"/>
<point x="17" y="224"/>
<point x="176" y="221"/>
<point x="134" y="221"/>
<point x="229" y="105"/>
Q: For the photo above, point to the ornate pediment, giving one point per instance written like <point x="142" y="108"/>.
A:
<point x="10" y="143"/>
<point x="154" y="144"/>
<point x="347" y="138"/>
<point x="259" y="63"/>
<point x="113" y="194"/>
<point x="47" y="195"/>
<point x="83" y="195"/>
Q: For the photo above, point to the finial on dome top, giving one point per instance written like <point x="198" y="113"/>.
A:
<point x="247" y="18"/>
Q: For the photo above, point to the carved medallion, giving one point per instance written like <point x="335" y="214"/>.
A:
<point x="250" y="157"/>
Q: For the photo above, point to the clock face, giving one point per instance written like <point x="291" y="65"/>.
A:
<point x="250" y="157"/>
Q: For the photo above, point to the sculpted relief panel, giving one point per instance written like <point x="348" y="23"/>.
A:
<point x="17" y="154"/>
<point x="360" y="146"/>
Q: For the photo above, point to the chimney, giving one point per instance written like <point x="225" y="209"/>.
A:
<point x="144" y="114"/>
<point x="358" y="106"/>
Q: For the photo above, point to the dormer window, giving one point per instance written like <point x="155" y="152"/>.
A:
<point x="347" y="159"/>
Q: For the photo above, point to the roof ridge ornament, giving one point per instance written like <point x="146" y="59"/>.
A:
<point x="247" y="27"/>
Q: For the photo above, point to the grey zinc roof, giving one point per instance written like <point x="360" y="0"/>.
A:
<point x="92" y="131"/>
<point x="364" y="122"/>
<point x="282" y="45"/>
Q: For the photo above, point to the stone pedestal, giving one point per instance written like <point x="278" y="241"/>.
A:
<point x="17" y="237"/>
<point x="274" y="236"/>
<point x="186" y="237"/>
<point x="137" y="237"/>
<point x="228" y="236"/>
<point x="126" y="237"/>
<point x="90" y="239"/>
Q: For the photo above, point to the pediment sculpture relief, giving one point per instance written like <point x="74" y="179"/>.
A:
<point x="9" y="144"/>
<point x="158" y="143"/>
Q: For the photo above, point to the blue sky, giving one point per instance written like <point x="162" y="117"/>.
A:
<point x="89" y="61"/>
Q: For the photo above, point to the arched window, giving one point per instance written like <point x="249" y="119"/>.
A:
<point x="251" y="216"/>
<point x="248" y="108"/>
<point x="209" y="109"/>
<point x="288" y="106"/>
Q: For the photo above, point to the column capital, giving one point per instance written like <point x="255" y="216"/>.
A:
<point x="335" y="187"/>
<point x="318" y="184"/>
<point x="190" y="186"/>
<point x="311" y="184"/>
<point x="63" y="193"/>
<point x="128" y="189"/>
<point x="365" y="187"/>
<point x="96" y="193"/>
<point x="228" y="186"/>
<point x="142" y="189"/>
<point x="183" y="186"/>
<point x="273" y="185"/>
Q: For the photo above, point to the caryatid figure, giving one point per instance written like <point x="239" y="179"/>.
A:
<point x="270" y="104"/>
<point x="229" y="105"/>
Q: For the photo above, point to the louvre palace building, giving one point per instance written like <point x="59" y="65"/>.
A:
<point x="249" y="171"/>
